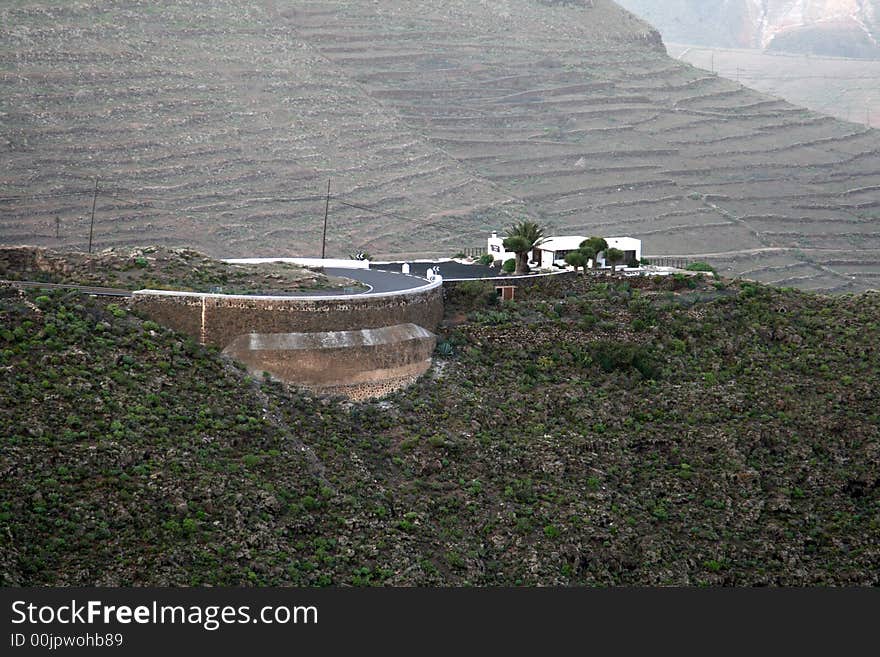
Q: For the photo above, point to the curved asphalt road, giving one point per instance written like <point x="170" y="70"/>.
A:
<point x="380" y="281"/>
<point x="449" y="269"/>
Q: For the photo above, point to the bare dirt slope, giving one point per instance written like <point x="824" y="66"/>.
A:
<point x="208" y="124"/>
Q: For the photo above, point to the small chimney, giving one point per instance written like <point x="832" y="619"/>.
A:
<point x="494" y="235"/>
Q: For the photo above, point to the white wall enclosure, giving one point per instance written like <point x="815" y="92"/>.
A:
<point x="631" y="247"/>
<point x="495" y="248"/>
<point x="554" y="249"/>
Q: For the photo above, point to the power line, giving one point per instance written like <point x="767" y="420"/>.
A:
<point x="373" y="210"/>
<point x="117" y="194"/>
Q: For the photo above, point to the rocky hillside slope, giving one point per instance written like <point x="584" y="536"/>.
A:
<point x="218" y="126"/>
<point x="599" y="432"/>
<point x="842" y="28"/>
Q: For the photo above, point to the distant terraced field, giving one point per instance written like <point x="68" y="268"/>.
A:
<point x="848" y="89"/>
<point x="437" y="121"/>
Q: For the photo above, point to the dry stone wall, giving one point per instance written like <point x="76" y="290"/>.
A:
<point x="359" y="345"/>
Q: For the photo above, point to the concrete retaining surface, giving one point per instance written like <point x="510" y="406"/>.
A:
<point x="358" y="364"/>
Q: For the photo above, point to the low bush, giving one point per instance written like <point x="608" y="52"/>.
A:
<point x="473" y="294"/>
<point x="702" y="266"/>
<point x="624" y="356"/>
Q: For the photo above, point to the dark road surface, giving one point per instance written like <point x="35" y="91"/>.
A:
<point x="448" y="269"/>
<point x="380" y="281"/>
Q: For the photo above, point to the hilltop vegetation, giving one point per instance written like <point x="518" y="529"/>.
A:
<point x="161" y="268"/>
<point x="437" y="121"/>
<point x="596" y="431"/>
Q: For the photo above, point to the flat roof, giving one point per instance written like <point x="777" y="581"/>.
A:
<point x="573" y="242"/>
<point x="562" y="243"/>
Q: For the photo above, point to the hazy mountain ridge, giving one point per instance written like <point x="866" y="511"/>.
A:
<point x="218" y="126"/>
<point x="849" y="28"/>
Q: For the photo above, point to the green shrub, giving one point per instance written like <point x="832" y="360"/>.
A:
<point x="551" y="531"/>
<point x="576" y="259"/>
<point x="445" y="349"/>
<point x="750" y="290"/>
<point x="680" y="281"/>
<point x="115" y="310"/>
<point x="623" y="356"/>
<point x="491" y="317"/>
<point x="509" y="265"/>
<point x="475" y="294"/>
<point x="702" y="266"/>
<point x="486" y="259"/>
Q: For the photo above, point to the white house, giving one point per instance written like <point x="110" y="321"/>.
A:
<point x="631" y="247"/>
<point x="554" y="249"/>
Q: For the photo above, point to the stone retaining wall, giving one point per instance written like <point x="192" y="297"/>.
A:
<point x="217" y="319"/>
<point x="358" y="345"/>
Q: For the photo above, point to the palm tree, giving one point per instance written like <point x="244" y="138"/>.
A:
<point x="522" y="238"/>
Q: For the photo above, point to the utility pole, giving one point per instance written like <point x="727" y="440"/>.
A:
<point x="57" y="227"/>
<point x="92" y="222"/>
<point x="326" y="214"/>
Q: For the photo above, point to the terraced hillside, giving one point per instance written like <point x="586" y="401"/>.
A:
<point x="848" y="89"/>
<point x="437" y="121"/>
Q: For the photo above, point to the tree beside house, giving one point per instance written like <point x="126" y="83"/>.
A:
<point x="521" y="239"/>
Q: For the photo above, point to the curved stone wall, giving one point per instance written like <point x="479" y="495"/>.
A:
<point x="357" y="345"/>
<point x="357" y="364"/>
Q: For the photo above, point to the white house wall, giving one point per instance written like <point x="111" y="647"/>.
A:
<point x="495" y="248"/>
